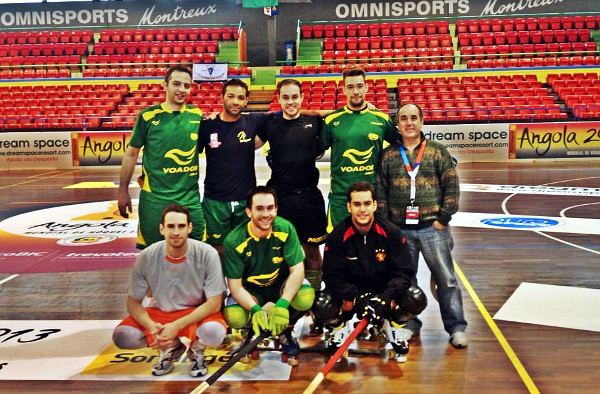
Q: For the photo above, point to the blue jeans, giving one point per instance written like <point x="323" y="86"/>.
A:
<point x="436" y="247"/>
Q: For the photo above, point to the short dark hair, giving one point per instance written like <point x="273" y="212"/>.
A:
<point x="180" y="68"/>
<point x="354" y="71"/>
<point x="288" y="81"/>
<point x="260" y="190"/>
<point x="360" y="187"/>
<point x="175" y="208"/>
<point x="235" y="82"/>
<point x="404" y="105"/>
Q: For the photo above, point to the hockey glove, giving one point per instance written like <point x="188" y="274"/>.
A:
<point x="279" y="317"/>
<point x="259" y="320"/>
<point x="360" y="305"/>
<point x="378" y="309"/>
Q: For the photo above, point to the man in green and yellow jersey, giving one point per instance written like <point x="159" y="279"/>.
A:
<point x="168" y="132"/>
<point x="265" y="272"/>
<point x="355" y="134"/>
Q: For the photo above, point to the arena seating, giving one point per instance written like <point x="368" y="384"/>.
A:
<point x="528" y="42"/>
<point x="580" y="91"/>
<point x="58" y="106"/>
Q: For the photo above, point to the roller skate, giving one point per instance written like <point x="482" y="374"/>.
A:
<point x="290" y="349"/>
<point x="397" y="347"/>
<point x="166" y="358"/>
<point x="337" y="336"/>
<point x="254" y="354"/>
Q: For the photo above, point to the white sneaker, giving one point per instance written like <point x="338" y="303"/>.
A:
<point x="337" y="336"/>
<point x="166" y="358"/>
<point x="196" y="357"/>
<point x="458" y="339"/>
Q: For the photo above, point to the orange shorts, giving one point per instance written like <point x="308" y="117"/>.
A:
<point x="162" y="317"/>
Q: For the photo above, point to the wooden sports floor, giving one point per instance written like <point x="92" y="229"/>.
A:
<point x="502" y="356"/>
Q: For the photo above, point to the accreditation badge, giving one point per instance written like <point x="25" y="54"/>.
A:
<point x="412" y="214"/>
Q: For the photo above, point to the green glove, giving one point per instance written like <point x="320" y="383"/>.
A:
<point x="259" y="320"/>
<point x="279" y="317"/>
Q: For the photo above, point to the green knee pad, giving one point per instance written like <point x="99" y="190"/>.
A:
<point x="304" y="298"/>
<point x="236" y="316"/>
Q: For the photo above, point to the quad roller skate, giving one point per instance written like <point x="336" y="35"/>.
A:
<point x="290" y="348"/>
<point x="335" y="337"/>
<point x="254" y="354"/>
<point x="397" y="346"/>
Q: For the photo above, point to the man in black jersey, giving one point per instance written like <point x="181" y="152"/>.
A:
<point x="229" y="141"/>
<point x="292" y="138"/>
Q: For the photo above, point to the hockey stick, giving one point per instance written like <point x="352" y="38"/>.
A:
<point x="321" y="375"/>
<point x="234" y="359"/>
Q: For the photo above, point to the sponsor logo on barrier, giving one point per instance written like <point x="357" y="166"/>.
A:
<point x="522" y="222"/>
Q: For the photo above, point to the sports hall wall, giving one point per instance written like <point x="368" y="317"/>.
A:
<point x="484" y="141"/>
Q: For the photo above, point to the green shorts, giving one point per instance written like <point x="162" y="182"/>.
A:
<point x="222" y="217"/>
<point x="149" y="214"/>
<point x="336" y="212"/>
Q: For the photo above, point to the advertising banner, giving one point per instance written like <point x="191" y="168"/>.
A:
<point x="99" y="148"/>
<point x="48" y="150"/>
<point x="480" y="142"/>
<point x="555" y="140"/>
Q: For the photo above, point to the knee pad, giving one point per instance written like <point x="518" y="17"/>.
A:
<point x="211" y="334"/>
<point x="236" y="316"/>
<point x="327" y="308"/>
<point x="413" y="300"/>
<point x="128" y="337"/>
<point x="304" y="298"/>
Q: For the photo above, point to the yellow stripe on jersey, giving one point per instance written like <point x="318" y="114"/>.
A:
<point x="333" y="116"/>
<point x="151" y="114"/>
<point x="259" y="280"/>
<point x="281" y="235"/>
<point x="240" y="248"/>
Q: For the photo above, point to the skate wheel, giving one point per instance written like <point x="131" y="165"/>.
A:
<point x="345" y="354"/>
<point x="284" y="358"/>
<point x="401" y="358"/>
<point x="255" y="354"/>
<point x="293" y="361"/>
<point x="276" y="344"/>
<point x="391" y="354"/>
<point x="245" y="359"/>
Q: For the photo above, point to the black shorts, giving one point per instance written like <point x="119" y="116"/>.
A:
<point x="306" y="211"/>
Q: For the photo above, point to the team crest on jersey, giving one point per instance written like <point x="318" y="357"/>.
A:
<point x="373" y="136"/>
<point x="336" y="123"/>
<point x="214" y="140"/>
<point x="155" y="122"/>
<point x="277" y="260"/>
<point x="380" y="255"/>
<point x="243" y="137"/>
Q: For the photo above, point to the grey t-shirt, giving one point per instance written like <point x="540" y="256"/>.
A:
<point x="177" y="284"/>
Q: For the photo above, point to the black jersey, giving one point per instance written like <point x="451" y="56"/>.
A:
<point x="229" y="156"/>
<point x="293" y="150"/>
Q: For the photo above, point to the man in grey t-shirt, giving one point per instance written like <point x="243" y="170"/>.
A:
<point x="186" y="282"/>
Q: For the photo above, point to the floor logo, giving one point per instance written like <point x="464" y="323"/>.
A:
<point x="521" y="222"/>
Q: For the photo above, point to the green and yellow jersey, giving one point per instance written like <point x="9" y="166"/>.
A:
<point x="356" y="141"/>
<point x="262" y="263"/>
<point x="170" y="144"/>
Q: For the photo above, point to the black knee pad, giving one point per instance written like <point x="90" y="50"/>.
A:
<point x="327" y="308"/>
<point x="413" y="301"/>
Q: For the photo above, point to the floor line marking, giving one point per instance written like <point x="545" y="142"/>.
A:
<point x="505" y="210"/>
<point x="498" y="334"/>
<point x="36" y="179"/>
<point x="3" y="281"/>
